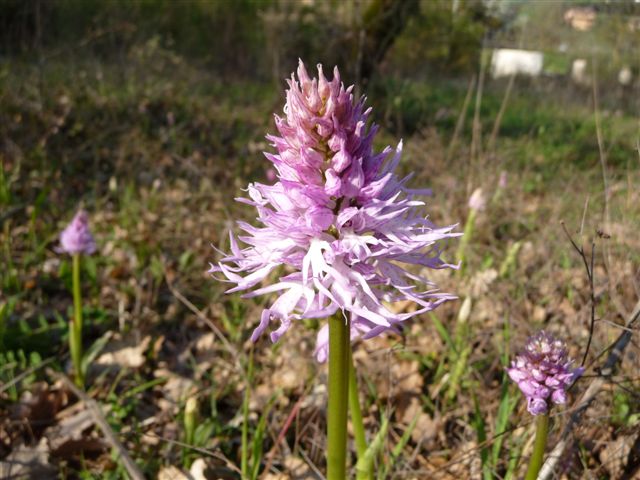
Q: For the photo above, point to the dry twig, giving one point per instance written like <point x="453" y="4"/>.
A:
<point x="589" y="268"/>
<point x="201" y="316"/>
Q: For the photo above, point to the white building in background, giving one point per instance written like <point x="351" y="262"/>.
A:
<point x="508" y="61"/>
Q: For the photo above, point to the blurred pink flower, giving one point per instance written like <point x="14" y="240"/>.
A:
<point x="76" y="237"/>
<point x="502" y="181"/>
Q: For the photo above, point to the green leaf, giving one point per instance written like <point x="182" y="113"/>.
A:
<point x="364" y="467"/>
<point x="94" y="350"/>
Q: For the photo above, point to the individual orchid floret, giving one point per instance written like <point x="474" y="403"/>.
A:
<point x="76" y="237"/>
<point x="543" y="372"/>
<point x="338" y="231"/>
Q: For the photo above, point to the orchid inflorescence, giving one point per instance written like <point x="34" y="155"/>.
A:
<point x="76" y="237"/>
<point x="338" y="218"/>
<point x="543" y="372"/>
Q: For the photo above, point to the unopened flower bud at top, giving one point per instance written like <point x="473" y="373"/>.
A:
<point x="76" y="237"/>
<point x="477" y="201"/>
<point x="543" y="372"/>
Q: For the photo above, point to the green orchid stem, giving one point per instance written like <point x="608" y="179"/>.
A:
<point x="75" y="326"/>
<point x="339" y="345"/>
<point x="354" y="410"/>
<point x="542" y="430"/>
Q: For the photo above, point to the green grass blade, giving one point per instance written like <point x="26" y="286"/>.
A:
<point x="364" y="467"/>
<point x="481" y="432"/>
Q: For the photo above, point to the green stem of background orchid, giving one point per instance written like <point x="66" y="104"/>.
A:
<point x="75" y="326"/>
<point x="464" y="240"/>
<point x="354" y="409"/>
<point x="542" y="430"/>
<point x="339" y="345"/>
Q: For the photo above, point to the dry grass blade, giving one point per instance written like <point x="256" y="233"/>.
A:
<point x="132" y="469"/>
<point x="589" y="267"/>
<point x="461" y="116"/>
<point x="203" y="451"/>
<point x="596" y="385"/>
<point x="200" y="314"/>
<point x="503" y="108"/>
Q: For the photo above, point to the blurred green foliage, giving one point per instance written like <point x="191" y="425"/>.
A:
<point x="255" y="38"/>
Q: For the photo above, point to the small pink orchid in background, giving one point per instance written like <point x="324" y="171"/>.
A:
<point x="76" y="237"/>
<point x="502" y="184"/>
<point x="76" y="240"/>
<point x="502" y="180"/>
<point x="477" y="201"/>
<point x="271" y="175"/>
<point x="543" y="372"/>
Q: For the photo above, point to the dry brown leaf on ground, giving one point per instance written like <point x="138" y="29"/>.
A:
<point x="28" y="462"/>
<point x="127" y="353"/>
<point x="69" y="428"/>
<point x="198" y="471"/>
<point x="68" y="438"/>
<point x="176" y="387"/>
<point x="40" y="406"/>
<point x="426" y="428"/>
<point x="615" y="453"/>
<point x="298" y="469"/>
<point x="172" y="473"/>
<point x="481" y="281"/>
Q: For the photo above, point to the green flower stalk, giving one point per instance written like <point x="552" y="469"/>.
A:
<point x="75" y="326"/>
<point x="543" y="373"/>
<point x="477" y="203"/>
<point x="502" y="184"/>
<point x="190" y="413"/>
<point x="75" y="240"/>
<point x="339" y="346"/>
<point x="542" y="431"/>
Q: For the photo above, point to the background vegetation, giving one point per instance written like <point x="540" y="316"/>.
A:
<point x="152" y="116"/>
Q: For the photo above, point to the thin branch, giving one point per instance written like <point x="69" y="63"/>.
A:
<point x="132" y="469"/>
<point x="200" y="314"/>
<point x="589" y="268"/>
<point x="283" y="431"/>
<point x="503" y="108"/>
<point x="201" y="450"/>
<point x="461" y="117"/>
<point x="605" y="373"/>
<point x="584" y="215"/>
<point x="601" y="150"/>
